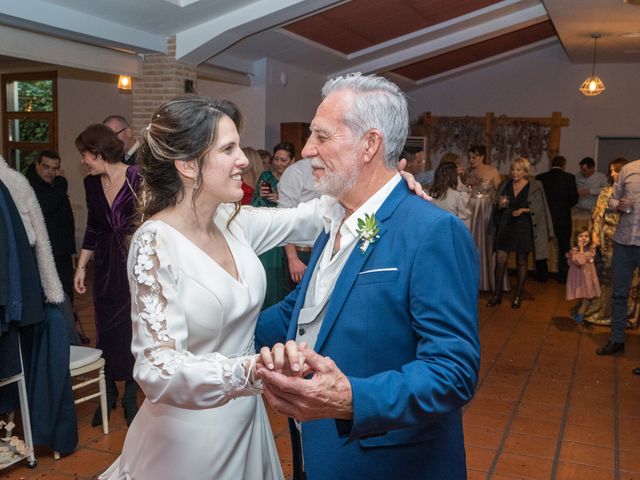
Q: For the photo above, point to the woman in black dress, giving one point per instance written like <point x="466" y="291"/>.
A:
<point x="521" y="223"/>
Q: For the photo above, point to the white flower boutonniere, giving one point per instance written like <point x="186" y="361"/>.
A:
<point x="368" y="231"/>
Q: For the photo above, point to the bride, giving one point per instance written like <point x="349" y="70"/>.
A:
<point x="196" y="287"/>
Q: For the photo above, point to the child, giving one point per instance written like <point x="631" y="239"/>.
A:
<point x="582" y="280"/>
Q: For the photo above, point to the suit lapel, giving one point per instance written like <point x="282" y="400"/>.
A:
<point x="356" y="261"/>
<point x="304" y="285"/>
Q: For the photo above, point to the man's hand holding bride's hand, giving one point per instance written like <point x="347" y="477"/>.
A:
<point x="325" y="394"/>
<point x="286" y="359"/>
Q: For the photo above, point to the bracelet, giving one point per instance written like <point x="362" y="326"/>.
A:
<point x="80" y="267"/>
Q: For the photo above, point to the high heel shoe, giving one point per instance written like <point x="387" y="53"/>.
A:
<point x="517" y="302"/>
<point x="496" y="300"/>
<point x="130" y="411"/>
<point x="97" y="417"/>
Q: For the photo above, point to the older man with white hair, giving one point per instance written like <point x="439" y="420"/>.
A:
<point x="387" y="308"/>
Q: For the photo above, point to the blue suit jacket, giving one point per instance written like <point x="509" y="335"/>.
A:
<point x="402" y="324"/>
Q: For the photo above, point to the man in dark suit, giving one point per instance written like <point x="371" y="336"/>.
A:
<point x="51" y="191"/>
<point x="119" y="125"/>
<point x="562" y="194"/>
<point x="389" y="303"/>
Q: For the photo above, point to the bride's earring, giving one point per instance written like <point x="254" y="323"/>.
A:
<point x="197" y="183"/>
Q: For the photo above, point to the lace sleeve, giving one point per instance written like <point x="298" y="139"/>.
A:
<point x="165" y="369"/>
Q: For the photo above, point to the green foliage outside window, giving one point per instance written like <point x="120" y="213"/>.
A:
<point x="35" y="96"/>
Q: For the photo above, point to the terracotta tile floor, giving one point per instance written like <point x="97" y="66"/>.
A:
<point x="546" y="407"/>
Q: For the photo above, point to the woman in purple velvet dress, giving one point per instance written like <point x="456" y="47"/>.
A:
<point x="110" y="189"/>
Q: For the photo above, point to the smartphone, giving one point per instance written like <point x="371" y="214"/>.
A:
<point x="266" y="186"/>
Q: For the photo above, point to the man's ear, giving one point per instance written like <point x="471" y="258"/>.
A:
<point x="372" y="144"/>
<point x="186" y="168"/>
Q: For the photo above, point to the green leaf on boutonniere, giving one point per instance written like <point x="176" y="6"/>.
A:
<point x="368" y="231"/>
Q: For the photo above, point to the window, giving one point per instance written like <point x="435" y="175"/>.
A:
<point x="29" y="102"/>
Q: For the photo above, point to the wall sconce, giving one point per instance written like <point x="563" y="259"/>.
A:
<point x="592" y="85"/>
<point x="124" y="82"/>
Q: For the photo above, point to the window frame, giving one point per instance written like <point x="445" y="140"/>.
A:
<point x="51" y="117"/>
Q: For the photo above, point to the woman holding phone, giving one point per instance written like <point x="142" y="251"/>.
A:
<point x="266" y="195"/>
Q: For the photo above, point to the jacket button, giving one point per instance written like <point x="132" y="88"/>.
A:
<point x="301" y="331"/>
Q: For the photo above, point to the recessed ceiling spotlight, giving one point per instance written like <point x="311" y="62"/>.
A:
<point x="630" y="34"/>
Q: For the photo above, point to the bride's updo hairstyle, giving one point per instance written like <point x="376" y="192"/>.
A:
<point x="181" y="129"/>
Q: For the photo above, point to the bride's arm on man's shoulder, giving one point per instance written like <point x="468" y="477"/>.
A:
<point x="266" y="228"/>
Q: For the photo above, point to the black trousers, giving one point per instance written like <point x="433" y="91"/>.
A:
<point x="296" y="450"/>
<point x="563" y="235"/>
<point x="64" y="267"/>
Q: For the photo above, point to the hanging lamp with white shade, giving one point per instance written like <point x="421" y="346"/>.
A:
<point x="592" y="85"/>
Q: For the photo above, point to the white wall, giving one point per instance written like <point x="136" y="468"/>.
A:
<point x="536" y="84"/>
<point x="250" y="100"/>
<point x="270" y="101"/>
<point x="294" y="101"/>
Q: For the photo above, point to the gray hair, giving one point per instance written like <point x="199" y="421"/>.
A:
<point x="380" y="104"/>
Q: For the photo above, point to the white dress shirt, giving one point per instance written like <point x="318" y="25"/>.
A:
<point x="627" y="186"/>
<point x="594" y="183"/>
<point x="297" y="185"/>
<point x="329" y="266"/>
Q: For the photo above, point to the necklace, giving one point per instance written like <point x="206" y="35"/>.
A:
<point x="106" y="183"/>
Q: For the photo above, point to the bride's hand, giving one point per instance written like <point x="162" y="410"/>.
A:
<point x="281" y="358"/>
<point x="411" y="180"/>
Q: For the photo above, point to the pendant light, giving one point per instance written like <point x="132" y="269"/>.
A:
<point x="592" y="86"/>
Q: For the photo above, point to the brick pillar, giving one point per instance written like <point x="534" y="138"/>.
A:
<point x="162" y="79"/>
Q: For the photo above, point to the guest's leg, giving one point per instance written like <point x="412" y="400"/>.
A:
<point x="296" y="450"/>
<point x="563" y="235"/>
<point x="130" y="400"/>
<point x="501" y="266"/>
<point x="581" y="309"/>
<point x="64" y="267"/>
<point x="622" y="267"/>
<point x="112" y="397"/>
<point x="521" y="265"/>
<point x="542" y="270"/>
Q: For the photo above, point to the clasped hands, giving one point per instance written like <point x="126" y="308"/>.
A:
<point x="303" y="384"/>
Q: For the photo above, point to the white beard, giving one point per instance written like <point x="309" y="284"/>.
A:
<point x="336" y="184"/>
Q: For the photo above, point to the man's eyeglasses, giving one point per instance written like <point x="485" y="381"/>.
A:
<point x="120" y="131"/>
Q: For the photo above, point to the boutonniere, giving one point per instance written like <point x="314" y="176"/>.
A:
<point x="367" y="230"/>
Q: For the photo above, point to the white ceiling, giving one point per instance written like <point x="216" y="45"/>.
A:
<point x="234" y="34"/>
<point x="576" y="20"/>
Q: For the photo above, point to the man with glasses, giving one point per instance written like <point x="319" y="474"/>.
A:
<point x="123" y="131"/>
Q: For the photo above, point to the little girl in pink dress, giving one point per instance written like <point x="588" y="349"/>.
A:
<point x="582" y="279"/>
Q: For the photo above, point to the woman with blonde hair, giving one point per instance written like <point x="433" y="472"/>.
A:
<point x="250" y="173"/>
<point x="520" y="200"/>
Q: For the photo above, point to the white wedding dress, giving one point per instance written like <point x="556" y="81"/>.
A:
<point x="193" y="327"/>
